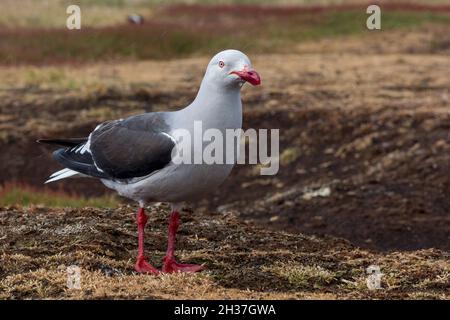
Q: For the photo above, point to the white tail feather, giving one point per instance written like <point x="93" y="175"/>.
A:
<point x="57" y="173"/>
<point x="62" y="174"/>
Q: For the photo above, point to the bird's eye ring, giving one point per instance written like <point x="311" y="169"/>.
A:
<point x="221" y="64"/>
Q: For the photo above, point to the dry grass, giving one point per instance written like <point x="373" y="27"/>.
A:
<point x="243" y="262"/>
<point x="16" y="194"/>
<point x="303" y="276"/>
<point x="99" y="13"/>
<point x="52" y="14"/>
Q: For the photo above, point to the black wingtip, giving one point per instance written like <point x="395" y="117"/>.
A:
<point x="46" y="141"/>
<point x="63" y="142"/>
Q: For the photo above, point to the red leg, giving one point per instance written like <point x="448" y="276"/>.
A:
<point x="142" y="265"/>
<point x="170" y="265"/>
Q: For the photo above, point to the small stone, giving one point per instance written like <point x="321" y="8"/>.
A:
<point x="274" y="218"/>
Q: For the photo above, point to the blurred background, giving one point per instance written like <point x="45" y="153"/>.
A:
<point x="363" y="115"/>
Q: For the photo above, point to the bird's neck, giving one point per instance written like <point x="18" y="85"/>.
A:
<point x="217" y="106"/>
<point x="211" y="92"/>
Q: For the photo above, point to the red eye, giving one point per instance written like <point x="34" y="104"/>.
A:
<point x="221" y="64"/>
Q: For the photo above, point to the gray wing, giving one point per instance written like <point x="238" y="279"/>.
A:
<point x="122" y="149"/>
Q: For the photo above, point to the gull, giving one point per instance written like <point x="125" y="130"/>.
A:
<point x="134" y="156"/>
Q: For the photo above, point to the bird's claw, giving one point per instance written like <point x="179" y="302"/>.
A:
<point x="143" y="266"/>
<point x="171" y="266"/>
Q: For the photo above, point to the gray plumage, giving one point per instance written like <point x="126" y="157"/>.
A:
<point x="133" y="155"/>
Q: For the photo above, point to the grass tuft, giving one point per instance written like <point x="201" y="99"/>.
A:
<point x="303" y="277"/>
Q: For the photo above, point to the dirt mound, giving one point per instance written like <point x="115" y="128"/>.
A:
<point x="244" y="261"/>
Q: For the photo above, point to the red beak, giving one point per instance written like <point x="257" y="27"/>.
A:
<point x="250" y="76"/>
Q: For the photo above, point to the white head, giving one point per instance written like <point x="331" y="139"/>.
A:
<point x="231" y="69"/>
